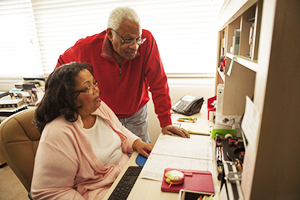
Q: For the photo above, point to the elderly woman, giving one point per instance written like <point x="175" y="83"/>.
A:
<point x="83" y="146"/>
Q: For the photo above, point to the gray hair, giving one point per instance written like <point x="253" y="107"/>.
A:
<point x="119" y="14"/>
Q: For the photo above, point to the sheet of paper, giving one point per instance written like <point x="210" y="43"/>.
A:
<point x="180" y="153"/>
<point x="156" y="164"/>
<point x="197" y="146"/>
<point x="251" y="122"/>
<point x="248" y="171"/>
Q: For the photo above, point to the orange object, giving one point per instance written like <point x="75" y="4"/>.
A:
<point x="188" y="121"/>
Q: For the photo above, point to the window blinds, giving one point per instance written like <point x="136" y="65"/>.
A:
<point x="37" y="32"/>
<point x="19" y="46"/>
<point x="183" y="28"/>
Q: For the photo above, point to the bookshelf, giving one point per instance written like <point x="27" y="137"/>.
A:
<point x="241" y="81"/>
<point x="267" y="69"/>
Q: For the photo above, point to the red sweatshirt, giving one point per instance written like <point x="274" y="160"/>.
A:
<point x="125" y="88"/>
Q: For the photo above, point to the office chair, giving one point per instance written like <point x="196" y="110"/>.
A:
<point x="19" y="141"/>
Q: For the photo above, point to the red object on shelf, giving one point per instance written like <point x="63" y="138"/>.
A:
<point x="222" y="65"/>
<point x="210" y="107"/>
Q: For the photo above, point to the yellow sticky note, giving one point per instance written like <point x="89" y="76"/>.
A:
<point x="198" y="129"/>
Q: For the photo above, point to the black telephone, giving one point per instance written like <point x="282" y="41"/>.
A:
<point x="188" y="105"/>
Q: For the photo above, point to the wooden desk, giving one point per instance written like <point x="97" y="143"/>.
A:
<point x="150" y="189"/>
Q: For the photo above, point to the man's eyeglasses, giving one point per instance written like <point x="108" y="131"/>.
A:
<point x="91" y="89"/>
<point x="138" y="41"/>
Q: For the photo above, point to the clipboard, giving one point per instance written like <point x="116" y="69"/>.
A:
<point x="200" y="181"/>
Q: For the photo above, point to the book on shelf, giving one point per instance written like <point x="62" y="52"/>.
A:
<point x="236" y="41"/>
<point x="222" y="47"/>
<point x="3" y="94"/>
<point x="251" y="40"/>
<point x="251" y="33"/>
<point x="6" y="112"/>
<point x="11" y="103"/>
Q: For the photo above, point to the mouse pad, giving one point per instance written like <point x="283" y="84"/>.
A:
<point x="140" y="160"/>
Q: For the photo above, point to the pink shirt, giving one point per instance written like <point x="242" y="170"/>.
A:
<point x="65" y="165"/>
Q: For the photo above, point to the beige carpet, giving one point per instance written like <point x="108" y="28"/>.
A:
<point x="10" y="186"/>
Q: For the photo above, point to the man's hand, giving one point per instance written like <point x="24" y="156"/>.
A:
<point x="171" y="130"/>
<point x="141" y="147"/>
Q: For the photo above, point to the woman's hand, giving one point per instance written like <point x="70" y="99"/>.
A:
<point x="141" y="147"/>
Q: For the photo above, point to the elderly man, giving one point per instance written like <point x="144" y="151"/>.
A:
<point x="127" y="65"/>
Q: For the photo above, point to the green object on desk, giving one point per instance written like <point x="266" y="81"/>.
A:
<point x="190" y="118"/>
<point x="222" y="132"/>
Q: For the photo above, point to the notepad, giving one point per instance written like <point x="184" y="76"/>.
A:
<point x="198" y="129"/>
<point x="180" y="153"/>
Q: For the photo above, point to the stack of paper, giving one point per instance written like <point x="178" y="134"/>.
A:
<point x="180" y="153"/>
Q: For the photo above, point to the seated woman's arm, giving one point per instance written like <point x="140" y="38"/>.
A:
<point x="133" y="142"/>
<point x="55" y="169"/>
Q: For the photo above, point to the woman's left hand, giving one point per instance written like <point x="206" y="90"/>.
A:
<point x="142" y="148"/>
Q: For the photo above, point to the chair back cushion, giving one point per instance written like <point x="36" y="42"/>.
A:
<point x="18" y="144"/>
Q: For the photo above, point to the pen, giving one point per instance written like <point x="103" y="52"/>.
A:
<point x="222" y="154"/>
<point x="218" y="153"/>
<point x="190" y="118"/>
<point x="189" y="121"/>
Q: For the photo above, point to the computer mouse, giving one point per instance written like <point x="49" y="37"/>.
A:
<point x="140" y="160"/>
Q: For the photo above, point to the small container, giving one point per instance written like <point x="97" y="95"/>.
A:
<point x="174" y="177"/>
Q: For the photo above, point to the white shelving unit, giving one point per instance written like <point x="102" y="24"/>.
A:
<point x="270" y="76"/>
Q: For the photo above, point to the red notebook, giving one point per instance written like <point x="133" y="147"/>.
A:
<point x="200" y="181"/>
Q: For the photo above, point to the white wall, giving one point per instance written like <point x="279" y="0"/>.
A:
<point x="179" y="87"/>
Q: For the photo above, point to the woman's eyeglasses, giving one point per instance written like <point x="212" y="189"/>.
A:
<point x="91" y="89"/>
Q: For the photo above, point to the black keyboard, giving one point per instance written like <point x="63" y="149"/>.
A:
<point x="126" y="183"/>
